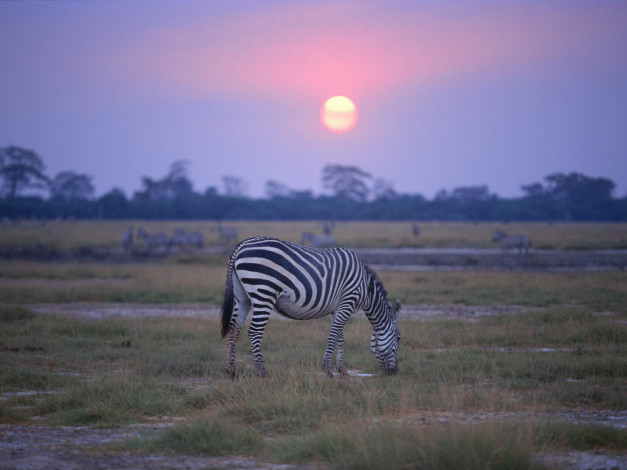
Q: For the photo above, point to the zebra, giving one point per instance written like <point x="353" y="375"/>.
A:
<point x="522" y="242"/>
<point x="318" y="241"/>
<point x="185" y="239"/>
<point x="415" y="229"/>
<point x="266" y="275"/>
<point x="328" y="227"/>
<point x="127" y="239"/>
<point x="154" y="241"/>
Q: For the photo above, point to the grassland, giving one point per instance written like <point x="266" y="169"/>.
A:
<point x="195" y="278"/>
<point x="117" y="371"/>
<point x="64" y="235"/>
<point x="495" y="391"/>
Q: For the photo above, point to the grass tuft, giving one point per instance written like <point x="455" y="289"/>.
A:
<point x="494" y="446"/>
<point x="13" y="314"/>
<point x="207" y="436"/>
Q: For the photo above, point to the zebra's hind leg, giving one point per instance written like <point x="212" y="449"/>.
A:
<point x="255" y="332"/>
<point x="231" y="340"/>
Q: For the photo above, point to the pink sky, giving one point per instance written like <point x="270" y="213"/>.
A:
<point x="449" y="93"/>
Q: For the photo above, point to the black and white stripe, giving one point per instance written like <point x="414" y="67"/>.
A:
<point x="266" y="275"/>
<point x="508" y="242"/>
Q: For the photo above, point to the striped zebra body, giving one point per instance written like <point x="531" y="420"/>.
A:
<point x="267" y="275"/>
<point x="154" y="241"/>
<point x="520" y="242"/>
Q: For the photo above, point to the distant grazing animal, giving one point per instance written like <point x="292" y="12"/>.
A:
<point x="522" y="242"/>
<point x="227" y="234"/>
<point x="318" y="241"/>
<point x="328" y="228"/>
<point x="154" y="241"/>
<point x="415" y="229"/>
<point x="184" y="239"/>
<point x="266" y="275"/>
<point x="127" y="239"/>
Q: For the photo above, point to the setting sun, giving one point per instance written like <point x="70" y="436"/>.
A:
<point x="339" y="114"/>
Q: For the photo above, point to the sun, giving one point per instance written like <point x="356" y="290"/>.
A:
<point x="339" y="114"/>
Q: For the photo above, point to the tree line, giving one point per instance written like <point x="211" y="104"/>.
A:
<point x="353" y="194"/>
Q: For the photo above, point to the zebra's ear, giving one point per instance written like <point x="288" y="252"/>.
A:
<point x="396" y="307"/>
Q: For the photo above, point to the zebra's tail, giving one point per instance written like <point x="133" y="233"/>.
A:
<point x="227" y="305"/>
<point x="229" y="297"/>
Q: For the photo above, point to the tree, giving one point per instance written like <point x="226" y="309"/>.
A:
<point x="234" y="186"/>
<point x="384" y="189"/>
<point x="347" y="182"/>
<point x="177" y="181"/>
<point x="21" y="169"/>
<point x="276" y="189"/>
<point x="573" y="196"/>
<point x="113" y="205"/>
<point x="174" y="184"/>
<point x="69" y="185"/>
<point x="576" y="186"/>
<point x="471" y="193"/>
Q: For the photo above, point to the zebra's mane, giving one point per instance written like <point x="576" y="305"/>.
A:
<point x="377" y="282"/>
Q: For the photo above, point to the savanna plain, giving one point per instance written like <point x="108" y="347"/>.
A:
<point x="121" y="364"/>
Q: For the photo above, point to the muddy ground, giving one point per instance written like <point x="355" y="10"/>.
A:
<point x="36" y="447"/>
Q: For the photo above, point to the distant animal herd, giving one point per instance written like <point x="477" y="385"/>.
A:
<point x="228" y="235"/>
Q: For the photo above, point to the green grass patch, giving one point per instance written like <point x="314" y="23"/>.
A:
<point x="118" y="371"/>
<point x="377" y="446"/>
<point x="12" y="314"/>
<point x="206" y="436"/>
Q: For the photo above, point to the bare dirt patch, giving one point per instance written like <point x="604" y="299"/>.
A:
<point x="197" y="310"/>
<point x="69" y="448"/>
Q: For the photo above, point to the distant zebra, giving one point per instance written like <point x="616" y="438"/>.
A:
<point x="185" y="239"/>
<point x="227" y="234"/>
<point x="415" y="229"/>
<point x="154" y="241"/>
<point x="318" y="241"/>
<point x="127" y="239"/>
<point x="328" y="227"/>
<point x="522" y="242"/>
<point x="266" y="275"/>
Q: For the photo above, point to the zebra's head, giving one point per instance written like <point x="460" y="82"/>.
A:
<point x="384" y="344"/>
<point x="498" y="236"/>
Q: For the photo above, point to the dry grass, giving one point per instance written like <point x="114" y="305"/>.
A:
<point x="69" y="371"/>
<point x="118" y="371"/>
<point x="201" y="279"/>
<point x="73" y="235"/>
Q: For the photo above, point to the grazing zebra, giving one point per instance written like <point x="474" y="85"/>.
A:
<point x="186" y="239"/>
<point x="522" y="242"/>
<point x="154" y="241"/>
<point x="127" y="239"/>
<point x="318" y="241"/>
<point x="328" y="228"/>
<point x="266" y="275"/>
<point x="227" y="234"/>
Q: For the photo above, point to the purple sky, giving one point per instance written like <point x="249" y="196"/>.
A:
<point x="449" y="93"/>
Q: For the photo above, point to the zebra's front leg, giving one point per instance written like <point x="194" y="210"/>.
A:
<point x="255" y="333"/>
<point x="337" y="327"/>
<point x="231" y="340"/>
